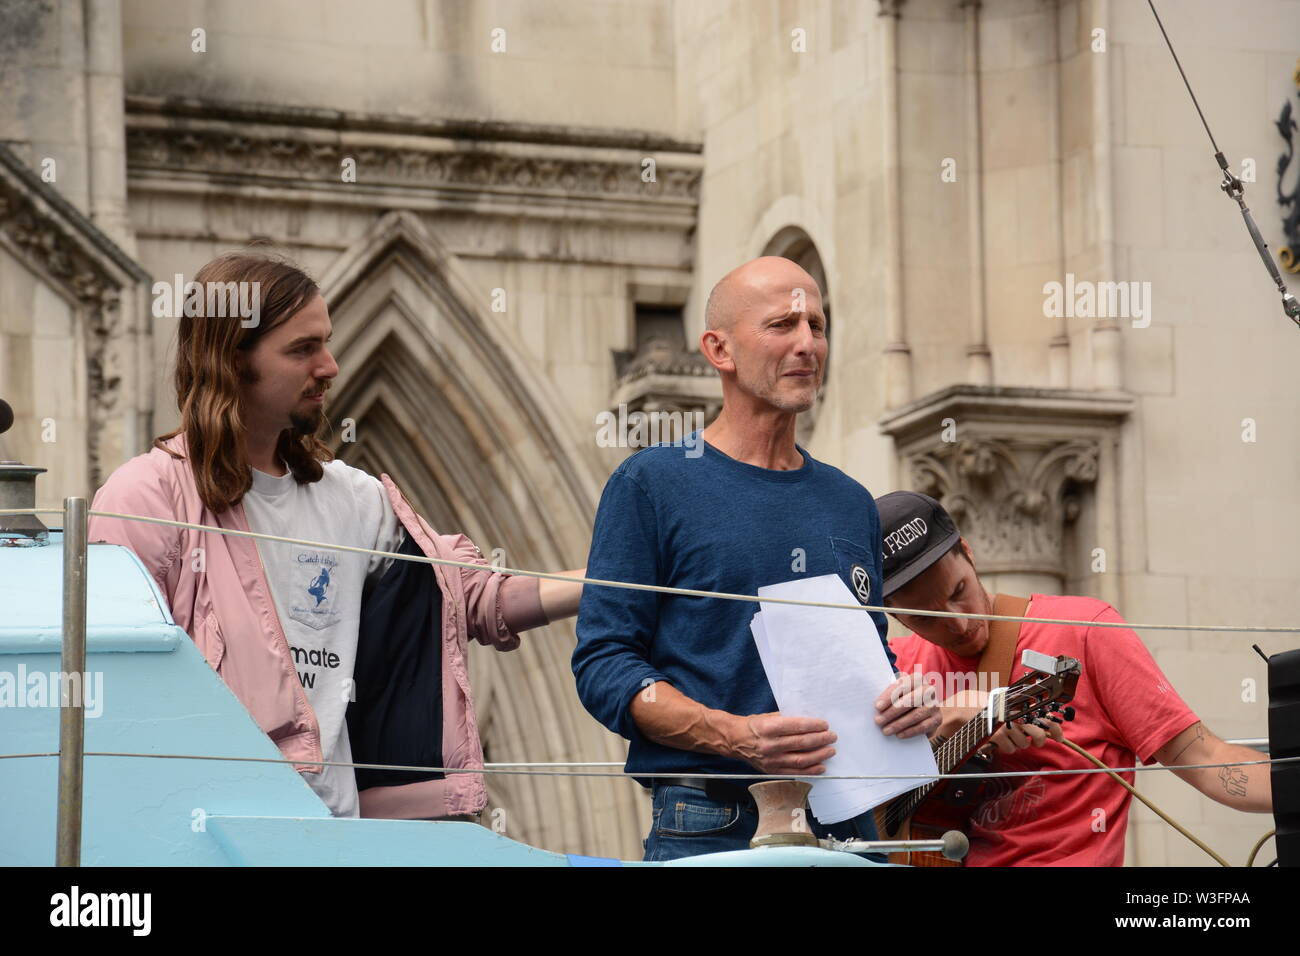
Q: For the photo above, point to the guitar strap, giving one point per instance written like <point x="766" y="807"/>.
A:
<point x="1000" y="653"/>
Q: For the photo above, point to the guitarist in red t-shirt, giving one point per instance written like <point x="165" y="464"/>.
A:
<point x="1125" y="710"/>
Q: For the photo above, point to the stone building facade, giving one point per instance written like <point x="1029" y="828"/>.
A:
<point x="516" y="211"/>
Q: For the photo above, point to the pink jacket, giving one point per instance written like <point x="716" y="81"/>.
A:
<point x="219" y="594"/>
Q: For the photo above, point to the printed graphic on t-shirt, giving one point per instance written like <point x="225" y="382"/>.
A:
<point x="310" y="662"/>
<point x="311" y="600"/>
<point x="1009" y="801"/>
<point x="853" y="563"/>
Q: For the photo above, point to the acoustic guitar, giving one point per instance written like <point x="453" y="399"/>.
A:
<point x="934" y="808"/>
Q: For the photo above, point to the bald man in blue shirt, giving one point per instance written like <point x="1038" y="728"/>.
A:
<point x="680" y="677"/>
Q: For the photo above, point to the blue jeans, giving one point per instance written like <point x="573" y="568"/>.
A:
<point x="688" y="822"/>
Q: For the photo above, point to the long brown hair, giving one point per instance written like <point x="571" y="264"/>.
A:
<point x="208" y="379"/>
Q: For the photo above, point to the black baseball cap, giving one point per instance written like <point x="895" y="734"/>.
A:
<point x="915" y="532"/>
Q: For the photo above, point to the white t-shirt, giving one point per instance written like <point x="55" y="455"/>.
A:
<point x="317" y="593"/>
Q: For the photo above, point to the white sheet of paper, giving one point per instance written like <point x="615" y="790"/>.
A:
<point x="830" y="663"/>
<point x="773" y="668"/>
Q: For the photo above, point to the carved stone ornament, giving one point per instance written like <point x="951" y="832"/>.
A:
<point x="1014" y="467"/>
<point x="662" y="376"/>
<point x="1011" y="499"/>
<point x="662" y="356"/>
<point x="45" y="229"/>
<point x="517" y="161"/>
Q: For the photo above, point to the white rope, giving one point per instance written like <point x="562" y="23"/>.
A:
<point x="683" y="775"/>
<point x="559" y="763"/>
<point x="688" y="592"/>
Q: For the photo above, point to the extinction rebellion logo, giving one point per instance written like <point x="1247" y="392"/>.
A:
<point x="861" y="583"/>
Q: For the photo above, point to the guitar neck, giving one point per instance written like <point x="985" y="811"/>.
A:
<point x="956" y="750"/>
<point x="950" y="755"/>
<point x="1039" y="692"/>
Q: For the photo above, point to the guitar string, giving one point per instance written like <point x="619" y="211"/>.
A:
<point x="960" y="746"/>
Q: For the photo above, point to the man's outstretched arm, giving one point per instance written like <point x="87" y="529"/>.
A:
<point x="1242" y="788"/>
<point x="560" y="598"/>
<point x="775" y="742"/>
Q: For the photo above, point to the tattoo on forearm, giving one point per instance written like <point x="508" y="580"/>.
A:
<point x="1199" y="738"/>
<point x="1234" y="781"/>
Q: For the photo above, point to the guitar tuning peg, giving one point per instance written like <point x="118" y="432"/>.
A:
<point x="1069" y="713"/>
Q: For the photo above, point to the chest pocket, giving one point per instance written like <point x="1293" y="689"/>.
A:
<point x="857" y="566"/>
<point x="318" y="588"/>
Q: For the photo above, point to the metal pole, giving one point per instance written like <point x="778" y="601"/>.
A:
<point x="954" y="845"/>
<point x="72" y="712"/>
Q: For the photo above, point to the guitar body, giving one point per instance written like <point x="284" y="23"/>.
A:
<point x="920" y="831"/>
<point x="947" y="807"/>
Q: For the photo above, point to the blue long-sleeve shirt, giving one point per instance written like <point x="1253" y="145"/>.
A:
<point x="716" y="524"/>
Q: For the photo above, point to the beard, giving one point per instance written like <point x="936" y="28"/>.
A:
<point x="770" y="392"/>
<point x="301" y="424"/>
<point x="306" y="423"/>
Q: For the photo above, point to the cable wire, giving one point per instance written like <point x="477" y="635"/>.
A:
<point x="1158" y="812"/>
<point x="674" y="775"/>
<point x="679" y="592"/>
<point x="1161" y="25"/>
<point x="1250" y="860"/>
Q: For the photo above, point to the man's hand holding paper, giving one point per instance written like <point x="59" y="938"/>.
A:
<point x="829" y="663"/>
<point x="907" y="710"/>
<point x="777" y="744"/>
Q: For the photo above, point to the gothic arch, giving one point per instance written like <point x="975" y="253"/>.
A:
<point x="440" y="400"/>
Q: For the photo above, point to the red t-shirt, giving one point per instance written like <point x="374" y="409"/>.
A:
<point x="1125" y="710"/>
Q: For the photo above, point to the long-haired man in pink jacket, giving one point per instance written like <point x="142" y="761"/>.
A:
<point x="301" y="633"/>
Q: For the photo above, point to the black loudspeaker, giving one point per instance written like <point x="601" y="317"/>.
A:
<point x="1284" y="741"/>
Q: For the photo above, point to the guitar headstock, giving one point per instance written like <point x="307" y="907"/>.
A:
<point x="1051" y="682"/>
